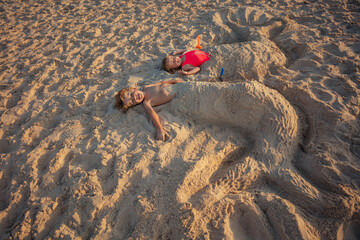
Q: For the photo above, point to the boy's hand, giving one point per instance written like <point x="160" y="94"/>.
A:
<point x="162" y="135"/>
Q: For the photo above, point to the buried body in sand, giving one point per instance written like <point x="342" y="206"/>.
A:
<point x="268" y="120"/>
<point x="251" y="107"/>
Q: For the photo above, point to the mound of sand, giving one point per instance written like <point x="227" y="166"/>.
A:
<point x="250" y="60"/>
<point x="273" y="155"/>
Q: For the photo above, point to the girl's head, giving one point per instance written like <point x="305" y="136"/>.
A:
<point x="171" y="63"/>
<point x="128" y="97"/>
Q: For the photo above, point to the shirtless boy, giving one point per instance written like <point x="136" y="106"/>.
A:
<point x="150" y="96"/>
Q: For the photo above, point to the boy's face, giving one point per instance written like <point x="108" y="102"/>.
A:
<point x="133" y="97"/>
<point x="173" y="62"/>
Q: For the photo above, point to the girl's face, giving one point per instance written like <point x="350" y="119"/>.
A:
<point x="133" y="97"/>
<point x="173" y="62"/>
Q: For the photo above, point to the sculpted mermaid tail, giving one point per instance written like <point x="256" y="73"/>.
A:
<point x="259" y="112"/>
<point x="268" y="122"/>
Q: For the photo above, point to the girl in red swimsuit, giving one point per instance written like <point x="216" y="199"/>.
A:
<point x="188" y="63"/>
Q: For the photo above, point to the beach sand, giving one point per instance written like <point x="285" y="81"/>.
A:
<point x="273" y="154"/>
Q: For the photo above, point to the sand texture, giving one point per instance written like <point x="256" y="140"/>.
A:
<point x="272" y="152"/>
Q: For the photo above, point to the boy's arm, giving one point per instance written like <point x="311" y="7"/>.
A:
<point x="160" y="132"/>
<point x="168" y="82"/>
<point x="172" y="81"/>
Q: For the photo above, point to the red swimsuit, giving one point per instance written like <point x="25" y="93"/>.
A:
<point x="195" y="58"/>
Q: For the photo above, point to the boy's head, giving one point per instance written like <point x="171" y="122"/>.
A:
<point x="128" y="97"/>
<point x="171" y="63"/>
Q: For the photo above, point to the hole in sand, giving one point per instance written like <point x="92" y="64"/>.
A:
<point x="351" y="230"/>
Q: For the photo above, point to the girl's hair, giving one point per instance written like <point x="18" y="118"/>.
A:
<point x="166" y="68"/>
<point x="119" y="100"/>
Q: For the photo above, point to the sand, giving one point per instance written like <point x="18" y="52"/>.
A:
<point x="272" y="152"/>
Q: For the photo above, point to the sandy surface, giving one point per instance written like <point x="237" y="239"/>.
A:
<point x="270" y="153"/>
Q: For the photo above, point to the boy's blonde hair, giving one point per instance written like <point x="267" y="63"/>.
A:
<point x="119" y="99"/>
<point x="166" y="68"/>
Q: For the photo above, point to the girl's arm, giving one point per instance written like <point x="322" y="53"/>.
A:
<point x="179" y="51"/>
<point x="160" y="132"/>
<point x="189" y="72"/>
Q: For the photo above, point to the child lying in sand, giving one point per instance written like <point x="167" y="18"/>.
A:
<point x="150" y="96"/>
<point x="188" y="63"/>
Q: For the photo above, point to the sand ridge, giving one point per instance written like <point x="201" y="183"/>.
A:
<point x="73" y="167"/>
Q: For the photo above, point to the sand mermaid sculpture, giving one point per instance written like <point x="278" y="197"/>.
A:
<point x="268" y="120"/>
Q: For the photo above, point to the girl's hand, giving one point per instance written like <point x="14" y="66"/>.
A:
<point x="162" y="135"/>
<point x="182" y="72"/>
<point x="179" y="52"/>
<point x="189" y="71"/>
